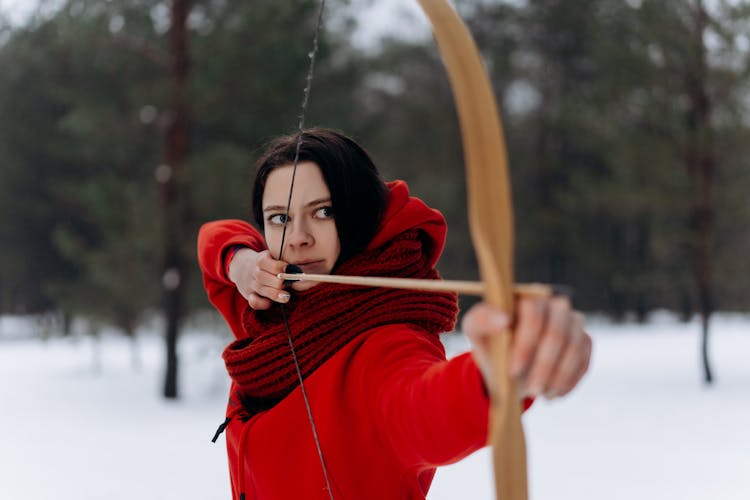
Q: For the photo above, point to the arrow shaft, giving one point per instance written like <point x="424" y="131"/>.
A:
<point x="461" y="287"/>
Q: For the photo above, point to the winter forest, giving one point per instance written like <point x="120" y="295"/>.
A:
<point x="127" y="124"/>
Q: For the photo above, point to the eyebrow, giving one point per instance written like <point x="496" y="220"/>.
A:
<point x="282" y="208"/>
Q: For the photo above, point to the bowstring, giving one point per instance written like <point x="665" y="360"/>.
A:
<point x="300" y="132"/>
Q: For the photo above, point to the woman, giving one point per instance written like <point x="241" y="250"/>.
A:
<point x="386" y="405"/>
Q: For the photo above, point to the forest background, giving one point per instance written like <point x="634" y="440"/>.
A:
<point x="126" y="124"/>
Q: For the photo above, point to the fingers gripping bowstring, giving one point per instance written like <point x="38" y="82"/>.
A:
<point x="300" y="133"/>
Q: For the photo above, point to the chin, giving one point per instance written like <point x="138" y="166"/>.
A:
<point x="301" y="286"/>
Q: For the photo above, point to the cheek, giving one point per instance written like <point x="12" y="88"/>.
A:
<point x="334" y="244"/>
<point x="273" y="238"/>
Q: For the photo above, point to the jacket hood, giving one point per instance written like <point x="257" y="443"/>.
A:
<point x="405" y="212"/>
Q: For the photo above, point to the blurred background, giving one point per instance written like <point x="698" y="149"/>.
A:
<point x="126" y="124"/>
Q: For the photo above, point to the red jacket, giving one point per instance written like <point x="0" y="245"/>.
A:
<point x="388" y="406"/>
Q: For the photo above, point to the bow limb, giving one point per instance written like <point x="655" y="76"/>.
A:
<point x="491" y="224"/>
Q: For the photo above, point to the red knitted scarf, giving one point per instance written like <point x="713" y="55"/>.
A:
<point x="326" y="317"/>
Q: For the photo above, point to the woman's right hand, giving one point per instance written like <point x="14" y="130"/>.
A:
<point x="255" y="276"/>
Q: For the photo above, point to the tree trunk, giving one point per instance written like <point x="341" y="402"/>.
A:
<point x="701" y="167"/>
<point x="173" y="199"/>
<point x="708" y="377"/>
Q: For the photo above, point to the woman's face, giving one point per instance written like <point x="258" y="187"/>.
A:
<point x="311" y="241"/>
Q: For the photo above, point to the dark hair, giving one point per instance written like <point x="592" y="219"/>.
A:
<point x="358" y="193"/>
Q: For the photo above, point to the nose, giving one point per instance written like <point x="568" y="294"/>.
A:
<point x="299" y="234"/>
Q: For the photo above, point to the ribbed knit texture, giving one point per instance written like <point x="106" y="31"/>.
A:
<point x="328" y="316"/>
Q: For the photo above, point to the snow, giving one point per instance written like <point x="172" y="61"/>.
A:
<point x="641" y="425"/>
<point x="78" y="422"/>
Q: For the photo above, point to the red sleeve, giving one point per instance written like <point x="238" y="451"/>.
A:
<point x="215" y="239"/>
<point x="431" y="411"/>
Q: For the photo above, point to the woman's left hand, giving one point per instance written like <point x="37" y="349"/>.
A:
<point x="550" y="351"/>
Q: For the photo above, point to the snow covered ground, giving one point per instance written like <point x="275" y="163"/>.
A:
<point x="77" y="422"/>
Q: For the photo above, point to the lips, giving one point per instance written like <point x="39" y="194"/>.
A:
<point x="310" y="266"/>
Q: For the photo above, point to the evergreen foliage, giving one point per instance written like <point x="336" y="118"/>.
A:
<point x="594" y="98"/>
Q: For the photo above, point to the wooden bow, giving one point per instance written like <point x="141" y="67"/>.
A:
<point x="491" y="224"/>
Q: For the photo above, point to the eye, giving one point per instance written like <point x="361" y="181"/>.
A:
<point x="278" y="219"/>
<point x="324" y="213"/>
